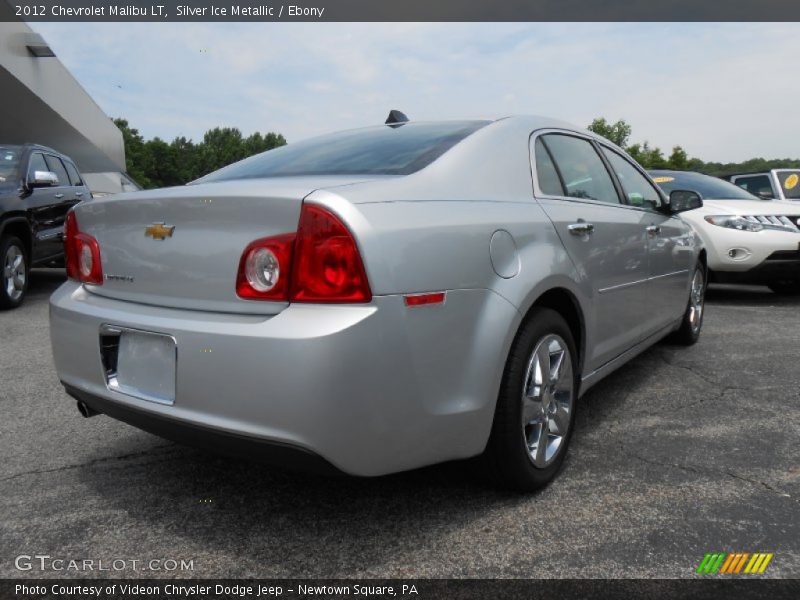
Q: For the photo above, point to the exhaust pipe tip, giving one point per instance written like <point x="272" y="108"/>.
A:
<point x="86" y="410"/>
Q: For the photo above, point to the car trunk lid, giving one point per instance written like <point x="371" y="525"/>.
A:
<point x="181" y="247"/>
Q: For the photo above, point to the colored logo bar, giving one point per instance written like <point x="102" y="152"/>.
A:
<point x="734" y="563"/>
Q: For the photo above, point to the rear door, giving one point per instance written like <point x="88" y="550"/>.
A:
<point x="605" y="240"/>
<point x="669" y="242"/>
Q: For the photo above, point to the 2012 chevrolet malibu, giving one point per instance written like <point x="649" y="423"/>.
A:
<point x="380" y="299"/>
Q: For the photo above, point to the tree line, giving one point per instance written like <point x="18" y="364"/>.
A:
<point x="653" y="158"/>
<point x="156" y="163"/>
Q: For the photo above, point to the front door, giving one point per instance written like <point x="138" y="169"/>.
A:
<point x="669" y="241"/>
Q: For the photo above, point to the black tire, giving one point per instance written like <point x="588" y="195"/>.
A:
<point x="508" y="456"/>
<point x="14" y="298"/>
<point x="689" y="331"/>
<point x="786" y="288"/>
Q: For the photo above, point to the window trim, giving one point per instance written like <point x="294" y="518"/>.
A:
<point x="539" y="194"/>
<point x="537" y="190"/>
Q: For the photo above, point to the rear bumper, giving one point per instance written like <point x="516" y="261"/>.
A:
<point x="370" y="389"/>
<point x="229" y="443"/>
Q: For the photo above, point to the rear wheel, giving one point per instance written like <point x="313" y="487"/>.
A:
<point x="689" y="331"/>
<point x="14" y="275"/>
<point x="786" y="288"/>
<point x="535" y="410"/>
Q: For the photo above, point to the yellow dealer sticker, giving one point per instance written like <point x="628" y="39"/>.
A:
<point x="663" y="179"/>
<point x="791" y="181"/>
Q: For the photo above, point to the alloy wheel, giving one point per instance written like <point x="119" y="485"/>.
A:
<point x="547" y="400"/>
<point x="14" y="273"/>
<point x="697" y="300"/>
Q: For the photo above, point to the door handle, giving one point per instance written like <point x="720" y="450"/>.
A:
<point x="654" y="230"/>
<point x="59" y="196"/>
<point x="79" y="194"/>
<point x="581" y="228"/>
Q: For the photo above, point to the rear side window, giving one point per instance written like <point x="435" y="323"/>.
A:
<point x="638" y="191"/>
<point x="74" y="176"/>
<point x="54" y="164"/>
<point x="36" y="163"/>
<point x="756" y="184"/>
<point x="384" y="150"/>
<point x="549" y="182"/>
<point x="582" y="170"/>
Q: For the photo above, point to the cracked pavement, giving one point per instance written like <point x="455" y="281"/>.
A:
<point x="682" y="451"/>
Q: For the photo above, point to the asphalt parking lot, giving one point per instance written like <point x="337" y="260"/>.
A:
<point x="681" y="452"/>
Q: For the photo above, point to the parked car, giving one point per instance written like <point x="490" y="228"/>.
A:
<point x="749" y="240"/>
<point x="380" y="299"/>
<point x="777" y="184"/>
<point x="38" y="186"/>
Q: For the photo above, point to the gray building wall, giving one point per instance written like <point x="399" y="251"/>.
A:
<point x="41" y="102"/>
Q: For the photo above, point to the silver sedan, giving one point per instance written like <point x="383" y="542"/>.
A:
<point x="380" y="299"/>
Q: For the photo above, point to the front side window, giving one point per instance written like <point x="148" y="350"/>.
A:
<point x="36" y="164"/>
<point x="756" y="184"/>
<point x="57" y="167"/>
<point x="638" y="191"/>
<point x="582" y="170"/>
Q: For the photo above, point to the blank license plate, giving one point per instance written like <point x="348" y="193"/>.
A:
<point x="146" y="366"/>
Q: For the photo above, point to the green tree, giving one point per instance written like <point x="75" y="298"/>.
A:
<point x="618" y="132"/>
<point x="678" y="160"/>
<point x="137" y="162"/>
<point x="156" y="163"/>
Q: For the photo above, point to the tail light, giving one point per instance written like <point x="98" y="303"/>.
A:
<point x="264" y="269"/>
<point x="82" y="253"/>
<point x="320" y="264"/>
<point x="328" y="267"/>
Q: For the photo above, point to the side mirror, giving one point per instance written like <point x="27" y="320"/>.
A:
<point x="683" y="200"/>
<point x="43" y="179"/>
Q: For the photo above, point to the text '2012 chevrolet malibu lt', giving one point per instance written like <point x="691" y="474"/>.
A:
<point x="379" y="299"/>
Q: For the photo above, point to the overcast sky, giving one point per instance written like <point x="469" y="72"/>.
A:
<point x="725" y="92"/>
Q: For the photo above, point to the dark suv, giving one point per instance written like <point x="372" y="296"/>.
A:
<point x="38" y="186"/>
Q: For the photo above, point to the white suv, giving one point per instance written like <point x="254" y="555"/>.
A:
<point x="749" y="239"/>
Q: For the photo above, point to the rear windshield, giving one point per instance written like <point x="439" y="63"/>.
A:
<point x="9" y="159"/>
<point x="790" y="182"/>
<point x="709" y="188"/>
<point x="384" y="150"/>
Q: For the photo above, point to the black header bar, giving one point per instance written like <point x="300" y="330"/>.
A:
<point x="404" y="10"/>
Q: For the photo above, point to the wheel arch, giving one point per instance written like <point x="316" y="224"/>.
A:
<point x="566" y="304"/>
<point x="18" y="226"/>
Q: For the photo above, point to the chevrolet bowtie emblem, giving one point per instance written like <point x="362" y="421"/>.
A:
<point x="159" y="231"/>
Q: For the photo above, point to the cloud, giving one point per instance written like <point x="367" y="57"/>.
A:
<point x="723" y="91"/>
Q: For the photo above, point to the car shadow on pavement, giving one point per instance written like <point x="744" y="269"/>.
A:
<point x="754" y="295"/>
<point x="44" y="282"/>
<point x="300" y="523"/>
